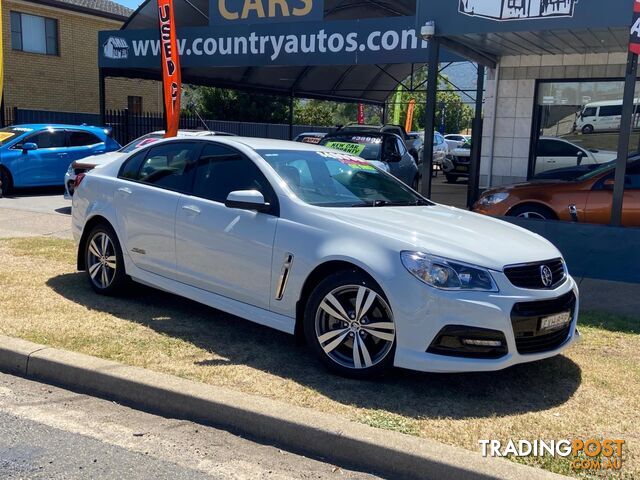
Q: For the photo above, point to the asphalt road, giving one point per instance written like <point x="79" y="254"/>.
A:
<point x="35" y="212"/>
<point x="51" y="433"/>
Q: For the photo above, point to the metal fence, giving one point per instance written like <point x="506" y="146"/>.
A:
<point x="127" y="126"/>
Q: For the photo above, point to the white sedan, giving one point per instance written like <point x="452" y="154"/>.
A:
<point x="316" y="242"/>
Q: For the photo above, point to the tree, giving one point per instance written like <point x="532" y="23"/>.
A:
<point x="315" y="112"/>
<point x="233" y="105"/>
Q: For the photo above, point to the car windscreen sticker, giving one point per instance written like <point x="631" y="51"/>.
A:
<point x="147" y="141"/>
<point x="6" y="135"/>
<point x="312" y="140"/>
<point x="352" y="148"/>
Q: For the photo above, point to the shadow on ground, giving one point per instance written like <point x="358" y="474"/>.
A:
<point x="523" y="388"/>
<point x="34" y="192"/>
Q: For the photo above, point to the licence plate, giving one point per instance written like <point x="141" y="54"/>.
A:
<point x="555" y="322"/>
<point x="462" y="169"/>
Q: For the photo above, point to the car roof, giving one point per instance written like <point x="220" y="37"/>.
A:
<point x="194" y="133"/>
<point x="270" y="144"/>
<point x="40" y="126"/>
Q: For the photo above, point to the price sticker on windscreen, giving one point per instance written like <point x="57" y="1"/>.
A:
<point x="352" y="148"/>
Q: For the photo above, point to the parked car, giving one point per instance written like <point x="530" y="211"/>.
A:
<point x="309" y="240"/>
<point x="553" y="153"/>
<point x="457" y="162"/>
<point x="455" y="140"/>
<point x="440" y="149"/>
<point x="37" y="155"/>
<point x="82" y="166"/>
<point x="310" y="137"/>
<point x="415" y="144"/>
<point x="387" y="148"/>
<point x="587" y="199"/>
<point x="569" y="173"/>
<point x="601" y="116"/>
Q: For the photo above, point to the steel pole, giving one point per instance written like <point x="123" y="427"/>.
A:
<point x="624" y="139"/>
<point x="476" y="143"/>
<point x="430" y="116"/>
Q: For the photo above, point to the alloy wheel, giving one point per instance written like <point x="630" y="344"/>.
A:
<point x="535" y="215"/>
<point x="354" y="326"/>
<point x="101" y="260"/>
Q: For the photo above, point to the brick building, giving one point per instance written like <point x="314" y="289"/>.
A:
<point x="51" y="57"/>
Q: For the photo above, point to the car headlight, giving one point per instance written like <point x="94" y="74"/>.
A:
<point x="446" y="274"/>
<point x="493" y="198"/>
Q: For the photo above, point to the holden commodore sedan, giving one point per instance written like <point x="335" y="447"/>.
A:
<point x="319" y="243"/>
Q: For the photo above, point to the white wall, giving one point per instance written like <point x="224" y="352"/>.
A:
<point x="507" y="152"/>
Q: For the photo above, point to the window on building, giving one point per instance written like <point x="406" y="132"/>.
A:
<point x="34" y="34"/>
<point x="134" y="104"/>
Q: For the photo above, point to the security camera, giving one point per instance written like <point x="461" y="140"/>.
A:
<point x="428" y="30"/>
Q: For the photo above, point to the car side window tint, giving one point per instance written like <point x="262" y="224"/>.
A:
<point x="389" y="148"/>
<point x="401" y="148"/>
<point x="222" y="170"/>
<point x="81" y="139"/>
<point x="166" y="166"/>
<point x="632" y="179"/>
<point x="48" y="139"/>
<point x="131" y="167"/>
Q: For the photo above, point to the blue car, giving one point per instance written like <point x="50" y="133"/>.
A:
<point x="38" y="155"/>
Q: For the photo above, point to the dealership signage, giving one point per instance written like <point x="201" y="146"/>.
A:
<point x="339" y="42"/>
<point x="255" y="11"/>
<point x="634" y="40"/>
<point x="462" y="17"/>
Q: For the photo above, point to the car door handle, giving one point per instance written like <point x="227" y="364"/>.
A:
<point x="125" y="190"/>
<point x="191" y="209"/>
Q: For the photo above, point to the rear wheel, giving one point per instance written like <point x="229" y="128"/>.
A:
<point x="538" y="212"/>
<point x="6" y="183"/>
<point x="350" y="326"/>
<point x="104" y="261"/>
<point x="587" y="129"/>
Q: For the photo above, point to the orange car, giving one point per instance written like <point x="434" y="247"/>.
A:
<point x="587" y="199"/>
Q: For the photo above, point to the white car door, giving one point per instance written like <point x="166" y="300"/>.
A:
<point x="225" y="250"/>
<point x="146" y="198"/>
<point x="553" y="154"/>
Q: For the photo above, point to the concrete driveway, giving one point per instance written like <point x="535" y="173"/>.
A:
<point x="35" y="213"/>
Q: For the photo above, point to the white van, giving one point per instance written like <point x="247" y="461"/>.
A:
<point x="602" y="116"/>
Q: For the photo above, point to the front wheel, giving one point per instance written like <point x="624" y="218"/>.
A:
<point x="5" y="182"/>
<point x="536" y="212"/>
<point x="104" y="261"/>
<point x="587" y="129"/>
<point x="350" y="326"/>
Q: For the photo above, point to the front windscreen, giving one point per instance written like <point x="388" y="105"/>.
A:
<point x="330" y="179"/>
<point x="11" y="133"/>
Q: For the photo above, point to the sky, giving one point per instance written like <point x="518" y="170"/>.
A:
<point x="130" y="3"/>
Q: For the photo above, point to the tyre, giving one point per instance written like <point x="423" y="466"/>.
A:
<point x="533" y="211"/>
<point x="587" y="129"/>
<point x="350" y="326"/>
<point x="6" y="184"/>
<point x="451" y="178"/>
<point x="104" y="261"/>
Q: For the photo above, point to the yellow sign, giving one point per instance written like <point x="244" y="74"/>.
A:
<point x="256" y="10"/>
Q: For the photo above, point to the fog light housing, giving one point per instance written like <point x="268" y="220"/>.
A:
<point x="469" y="342"/>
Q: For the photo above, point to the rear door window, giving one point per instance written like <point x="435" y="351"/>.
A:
<point x="82" y="139"/>
<point x="168" y="166"/>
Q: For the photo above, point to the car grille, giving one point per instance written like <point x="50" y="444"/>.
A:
<point x="462" y="159"/>
<point x="529" y="276"/>
<point x="526" y="318"/>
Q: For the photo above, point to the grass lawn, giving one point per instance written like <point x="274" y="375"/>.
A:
<point x="591" y="392"/>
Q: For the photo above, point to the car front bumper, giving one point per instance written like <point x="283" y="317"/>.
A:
<point x="422" y="312"/>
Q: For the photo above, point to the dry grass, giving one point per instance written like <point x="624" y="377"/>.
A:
<point x="593" y="391"/>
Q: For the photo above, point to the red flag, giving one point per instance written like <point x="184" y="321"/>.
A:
<point x="634" y="39"/>
<point x="410" y="111"/>
<point x="171" y="78"/>
<point x="361" y="114"/>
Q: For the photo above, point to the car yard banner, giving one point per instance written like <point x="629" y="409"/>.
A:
<point x="171" y="78"/>
<point x="336" y="42"/>
<point x="464" y="17"/>
<point x="634" y="40"/>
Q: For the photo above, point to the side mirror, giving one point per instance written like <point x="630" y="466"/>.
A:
<point x="29" y="146"/>
<point x="609" y="184"/>
<point x="580" y="158"/>
<point x="247" y="200"/>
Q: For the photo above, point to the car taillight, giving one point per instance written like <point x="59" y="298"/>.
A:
<point x="78" y="180"/>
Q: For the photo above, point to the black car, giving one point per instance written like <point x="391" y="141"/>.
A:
<point x="387" y="148"/>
